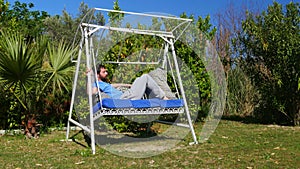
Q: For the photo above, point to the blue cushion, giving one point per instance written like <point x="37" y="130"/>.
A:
<point x="97" y="107"/>
<point x="171" y="103"/>
<point x="116" y="103"/>
<point x="143" y="103"/>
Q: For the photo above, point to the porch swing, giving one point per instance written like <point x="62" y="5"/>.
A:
<point x="125" y="107"/>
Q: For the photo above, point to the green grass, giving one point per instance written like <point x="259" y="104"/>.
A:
<point x="232" y="145"/>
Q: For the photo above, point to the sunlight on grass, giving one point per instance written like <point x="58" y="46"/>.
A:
<point x="233" y="145"/>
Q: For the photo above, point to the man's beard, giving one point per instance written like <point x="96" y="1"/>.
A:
<point x="103" y="79"/>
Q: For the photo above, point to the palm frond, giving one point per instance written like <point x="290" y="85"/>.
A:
<point x="60" y="66"/>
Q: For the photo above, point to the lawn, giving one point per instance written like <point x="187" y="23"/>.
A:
<point x="232" y="145"/>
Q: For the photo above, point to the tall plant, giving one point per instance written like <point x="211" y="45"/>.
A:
<point x="28" y="74"/>
<point x="58" y="66"/>
<point x="20" y="63"/>
<point x="269" y="44"/>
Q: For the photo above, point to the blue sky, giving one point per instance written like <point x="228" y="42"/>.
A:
<point x="173" y="7"/>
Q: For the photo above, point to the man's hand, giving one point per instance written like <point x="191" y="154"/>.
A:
<point x="89" y="71"/>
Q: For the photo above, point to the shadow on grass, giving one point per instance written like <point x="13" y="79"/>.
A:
<point x="242" y="119"/>
<point x="253" y="120"/>
<point x="113" y="137"/>
<point x="86" y="138"/>
<point x="117" y="138"/>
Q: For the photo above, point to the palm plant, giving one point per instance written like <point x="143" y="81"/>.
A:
<point x="59" y="67"/>
<point x="29" y="70"/>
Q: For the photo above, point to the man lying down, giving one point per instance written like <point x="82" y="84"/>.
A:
<point x="142" y="85"/>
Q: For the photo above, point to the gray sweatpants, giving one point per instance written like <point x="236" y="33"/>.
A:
<point x="143" y="85"/>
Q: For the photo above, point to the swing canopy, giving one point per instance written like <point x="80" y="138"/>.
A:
<point x="131" y="44"/>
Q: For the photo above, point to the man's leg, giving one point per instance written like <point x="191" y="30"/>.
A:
<point x="141" y="85"/>
<point x="152" y="89"/>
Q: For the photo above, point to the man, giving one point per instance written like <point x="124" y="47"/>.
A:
<point x="142" y="85"/>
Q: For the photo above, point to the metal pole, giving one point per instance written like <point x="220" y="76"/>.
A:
<point x="183" y="93"/>
<point x="88" y="64"/>
<point x="74" y="88"/>
<point x="144" y="14"/>
<point x="164" y="65"/>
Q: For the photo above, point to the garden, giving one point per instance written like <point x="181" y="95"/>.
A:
<point x="260" y="123"/>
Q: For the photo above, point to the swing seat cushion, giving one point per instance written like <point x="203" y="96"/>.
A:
<point x="138" y="104"/>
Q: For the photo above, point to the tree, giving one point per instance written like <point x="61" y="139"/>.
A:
<point x="29" y="71"/>
<point x="242" y="95"/>
<point x="205" y="31"/>
<point x="65" y="26"/>
<point x="229" y="26"/>
<point x="269" y="48"/>
<point x="19" y="63"/>
<point x="19" y="18"/>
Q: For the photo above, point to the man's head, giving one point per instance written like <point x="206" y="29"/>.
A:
<point x="101" y="72"/>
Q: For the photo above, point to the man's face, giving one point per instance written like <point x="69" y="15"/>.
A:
<point x="103" y="74"/>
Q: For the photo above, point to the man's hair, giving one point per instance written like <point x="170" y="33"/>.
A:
<point x="99" y="67"/>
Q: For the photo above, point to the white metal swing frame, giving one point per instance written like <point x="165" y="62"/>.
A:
<point x="168" y="36"/>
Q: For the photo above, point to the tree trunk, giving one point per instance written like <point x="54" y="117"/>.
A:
<point x="295" y="107"/>
<point x="31" y="127"/>
<point x="297" y="118"/>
